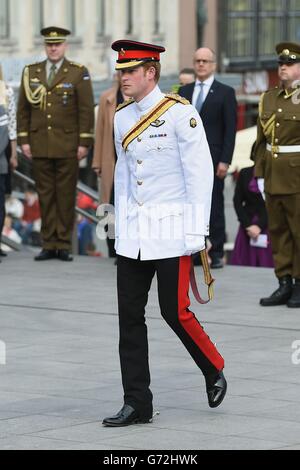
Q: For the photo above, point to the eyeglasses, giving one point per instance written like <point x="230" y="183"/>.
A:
<point x="204" y="61"/>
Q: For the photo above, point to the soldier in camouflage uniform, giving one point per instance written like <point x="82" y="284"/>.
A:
<point x="55" y="129"/>
<point x="277" y="156"/>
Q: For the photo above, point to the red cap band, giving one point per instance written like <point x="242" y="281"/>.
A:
<point x="125" y="55"/>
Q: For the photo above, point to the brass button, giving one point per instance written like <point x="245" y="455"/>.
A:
<point x="139" y="139"/>
<point x="294" y="117"/>
<point x="49" y="93"/>
<point x="49" y="128"/>
<point x="277" y="124"/>
<point x="276" y="141"/>
<point x="49" y="104"/>
<point x="275" y="155"/>
<point x="279" y="110"/>
<point x="139" y="162"/>
<point x="140" y="183"/>
<point x="49" y="116"/>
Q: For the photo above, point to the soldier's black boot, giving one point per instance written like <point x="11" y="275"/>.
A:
<point x="294" y="301"/>
<point x="281" y="295"/>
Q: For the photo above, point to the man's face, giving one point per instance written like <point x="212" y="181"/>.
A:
<point x="204" y="63"/>
<point x="137" y="82"/>
<point x="289" y="73"/>
<point x="56" y="52"/>
<point x="186" y="78"/>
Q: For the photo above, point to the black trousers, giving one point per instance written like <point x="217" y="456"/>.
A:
<point x="217" y="220"/>
<point x="2" y="201"/>
<point x="134" y="282"/>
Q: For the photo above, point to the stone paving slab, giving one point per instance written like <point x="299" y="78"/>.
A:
<point x="60" y="328"/>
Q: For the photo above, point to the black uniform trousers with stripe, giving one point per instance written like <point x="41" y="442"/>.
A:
<point x="134" y="282"/>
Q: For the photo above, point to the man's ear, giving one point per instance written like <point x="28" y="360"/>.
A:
<point x="151" y="72"/>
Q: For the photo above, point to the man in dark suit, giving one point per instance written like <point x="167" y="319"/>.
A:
<point x="217" y="106"/>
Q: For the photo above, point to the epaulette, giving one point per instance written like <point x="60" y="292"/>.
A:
<point x="76" y="64"/>
<point x="176" y="97"/>
<point x="34" y="64"/>
<point x="126" y="103"/>
<point x="272" y="89"/>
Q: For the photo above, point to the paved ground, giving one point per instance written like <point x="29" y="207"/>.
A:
<point x="59" y="325"/>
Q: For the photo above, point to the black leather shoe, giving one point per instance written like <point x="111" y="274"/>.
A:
<point x="64" y="255"/>
<point x="294" y="301"/>
<point x="216" y="390"/>
<point x="45" y="255"/>
<point x="216" y="263"/>
<point x="2" y="253"/>
<point x="126" y="416"/>
<point x="281" y="295"/>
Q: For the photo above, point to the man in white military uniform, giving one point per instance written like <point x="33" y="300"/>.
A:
<point x="163" y="187"/>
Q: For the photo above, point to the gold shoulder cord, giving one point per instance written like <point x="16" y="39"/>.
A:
<point x="38" y="96"/>
<point x="269" y="126"/>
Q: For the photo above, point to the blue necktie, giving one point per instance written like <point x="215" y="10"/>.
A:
<point x="200" y="99"/>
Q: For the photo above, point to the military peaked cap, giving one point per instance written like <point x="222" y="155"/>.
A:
<point x="288" y="52"/>
<point x="55" y="35"/>
<point x="133" y="53"/>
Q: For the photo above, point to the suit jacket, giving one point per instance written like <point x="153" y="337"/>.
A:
<point x="219" y="116"/>
<point x="64" y="119"/>
<point x="104" y="150"/>
<point x="247" y="204"/>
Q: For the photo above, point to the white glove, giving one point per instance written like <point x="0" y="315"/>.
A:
<point x="194" y="244"/>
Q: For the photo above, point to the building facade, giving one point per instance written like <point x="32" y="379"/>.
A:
<point x="95" y="24"/>
<point x="244" y="34"/>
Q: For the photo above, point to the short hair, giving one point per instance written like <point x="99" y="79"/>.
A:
<point x="156" y="65"/>
<point x="214" y="55"/>
<point x="187" y="70"/>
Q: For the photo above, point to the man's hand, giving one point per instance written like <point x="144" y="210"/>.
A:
<point x="13" y="162"/>
<point x="26" y="150"/>
<point x="82" y="152"/>
<point x="222" y="170"/>
<point x="97" y="171"/>
<point x="253" y="231"/>
<point x="13" y="158"/>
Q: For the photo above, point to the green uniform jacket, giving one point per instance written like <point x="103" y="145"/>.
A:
<point x="64" y="118"/>
<point x="281" y="171"/>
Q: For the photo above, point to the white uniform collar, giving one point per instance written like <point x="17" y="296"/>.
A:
<point x="150" y="100"/>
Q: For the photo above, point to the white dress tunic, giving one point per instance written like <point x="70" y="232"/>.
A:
<point x="163" y="182"/>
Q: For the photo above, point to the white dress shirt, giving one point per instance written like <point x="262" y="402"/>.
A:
<point x="207" y="85"/>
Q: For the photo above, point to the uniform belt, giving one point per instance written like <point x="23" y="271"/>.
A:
<point x="283" y="148"/>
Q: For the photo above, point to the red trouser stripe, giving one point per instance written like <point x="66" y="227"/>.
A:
<point x="188" y="320"/>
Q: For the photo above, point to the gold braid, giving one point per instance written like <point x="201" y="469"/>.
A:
<point x="38" y="96"/>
